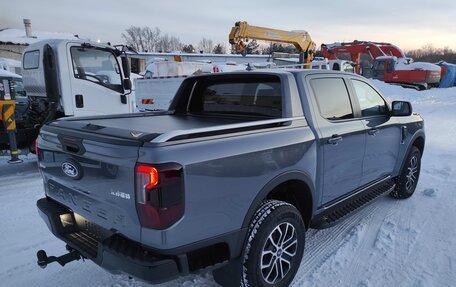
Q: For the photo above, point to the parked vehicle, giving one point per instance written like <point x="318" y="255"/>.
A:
<point x="236" y="171"/>
<point x="241" y="32"/>
<point x="12" y="88"/>
<point x="71" y="78"/>
<point x="385" y="62"/>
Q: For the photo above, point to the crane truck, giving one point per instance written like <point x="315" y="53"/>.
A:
<point x="387" y="61"/>
<point x="242" y="31"/>
<point x="70" y="78"/>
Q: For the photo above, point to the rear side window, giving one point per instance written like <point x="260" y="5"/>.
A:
<point x="332" y="98"/>
<point x="238" y="97"/>
<point x="31" y="60"/>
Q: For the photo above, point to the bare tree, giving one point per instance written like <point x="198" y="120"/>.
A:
<point x="133" y="38"/>
<point x="206" y="45"/>
<point x="151" y="37"/>
<point x="163" y="44"/>
<point x="428" y="53"/>
<point x="147" y="39"/>
<point x="220" y="48"/>
<point x="175" y="44"/>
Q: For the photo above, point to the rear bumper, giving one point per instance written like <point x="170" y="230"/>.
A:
<point x="113" y="252"/>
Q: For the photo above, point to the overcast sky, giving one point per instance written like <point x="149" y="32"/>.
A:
<point x="408" y="24"/>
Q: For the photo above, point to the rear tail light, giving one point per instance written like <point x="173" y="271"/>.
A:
<point x="36" y="148"/>
<point x="159" y="194"/>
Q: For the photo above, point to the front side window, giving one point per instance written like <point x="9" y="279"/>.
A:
<point x="332" y="98"/>
<point x="379" y="67"/>
<point x="98" y="66"/>
<point x="17" y="88"/>
<point x="31" y="60"/>
<point x="370" y="102"/>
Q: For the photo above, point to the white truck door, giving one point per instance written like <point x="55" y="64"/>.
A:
<point x="96" y="81"/>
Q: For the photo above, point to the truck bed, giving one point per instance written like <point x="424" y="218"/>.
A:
<point x="149" y="126"/>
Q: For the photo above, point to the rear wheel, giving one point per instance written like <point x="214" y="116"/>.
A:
<point x="408" y="179"/>
<point x="275" y="245"/>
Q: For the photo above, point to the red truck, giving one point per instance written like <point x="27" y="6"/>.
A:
<point x="386" y="62"/>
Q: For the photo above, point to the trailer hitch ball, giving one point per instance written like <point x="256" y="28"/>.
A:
<point x="44" y="260"/>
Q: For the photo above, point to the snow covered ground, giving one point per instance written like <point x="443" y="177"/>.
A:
<point x="389" y="243"/>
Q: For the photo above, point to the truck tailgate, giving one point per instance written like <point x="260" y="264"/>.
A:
<point x="93" y="177"/>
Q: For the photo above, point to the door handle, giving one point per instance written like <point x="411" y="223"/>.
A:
<point x="79" y="99"/>
<point x="335" y="139"/>
<point x="373" y="132"/>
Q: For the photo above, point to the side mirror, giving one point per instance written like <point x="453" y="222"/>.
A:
<point x="127" y="84"/>
<point x="401" y="109"/>
<point x="126" y="67"/>
<point x="50" y="74"/>
<point x="123" y="99"/>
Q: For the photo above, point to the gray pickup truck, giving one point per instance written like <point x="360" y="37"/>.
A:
<point x="229" y="179"/>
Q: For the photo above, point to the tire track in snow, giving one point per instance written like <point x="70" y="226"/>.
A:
<point x="369" y="239"/>
<point x="322" y="246"/>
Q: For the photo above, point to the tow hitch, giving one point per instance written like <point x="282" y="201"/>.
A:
<point x="44" y="260"/>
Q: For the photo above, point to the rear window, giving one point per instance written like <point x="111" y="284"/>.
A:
<point x="31" y="60"/>
<point x="261" y="97"/>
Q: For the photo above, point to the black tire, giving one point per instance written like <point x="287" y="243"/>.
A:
<point x="272" y="219"/>
<point x="408" y="179"/>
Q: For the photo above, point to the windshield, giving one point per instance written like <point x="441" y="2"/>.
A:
<point x="98" y="66"/>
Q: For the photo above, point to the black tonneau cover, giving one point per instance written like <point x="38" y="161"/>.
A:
<point x="134" y="128"/>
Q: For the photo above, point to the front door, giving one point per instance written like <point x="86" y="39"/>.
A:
<point x="341" y="137"/>
<point x="379" y="70"/>
<point x="96" y="82"/>
<point x="383" y="133"/>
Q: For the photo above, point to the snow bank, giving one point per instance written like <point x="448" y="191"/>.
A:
<point x="405" y="64"/>
<point x="4" y="73"/>
<point x="417" y="66"/>
<point x="17" y="36"/>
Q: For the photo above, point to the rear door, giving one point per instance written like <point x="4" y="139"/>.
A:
<point x="96" y="82"/>
<point x="383" y="132"/>
<point x="341" y="137"/>
<point x="92" y="175"/>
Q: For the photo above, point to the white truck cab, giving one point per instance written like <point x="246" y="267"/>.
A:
<point x="81" y="78"/>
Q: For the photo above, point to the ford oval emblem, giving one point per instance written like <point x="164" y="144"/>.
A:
<point x="72" y="169"/>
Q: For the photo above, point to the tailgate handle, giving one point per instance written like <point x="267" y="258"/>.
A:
<point x="73" y="148"/>
<point x="72" y="145"/>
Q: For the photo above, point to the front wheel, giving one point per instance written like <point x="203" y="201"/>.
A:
<point x="275" y="245"/>
<point x="408" y="179"/>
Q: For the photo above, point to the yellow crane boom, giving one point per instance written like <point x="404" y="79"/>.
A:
<point x="300" y="39"/>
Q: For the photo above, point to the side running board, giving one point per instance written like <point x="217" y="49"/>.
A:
<point x="340" y="210"/>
